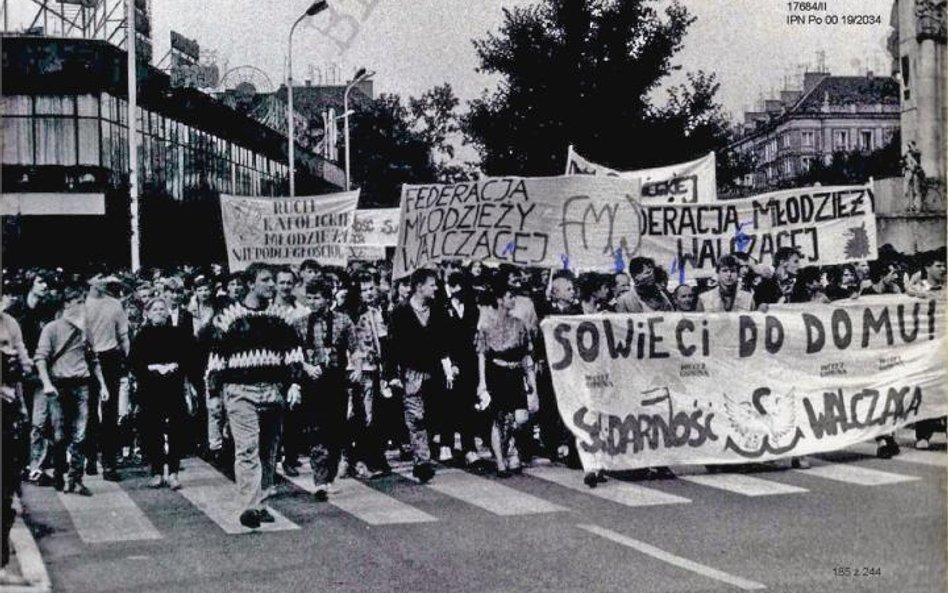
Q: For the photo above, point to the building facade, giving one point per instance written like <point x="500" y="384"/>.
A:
<point x="65" y="159"/>
<point x="830" y="114"/>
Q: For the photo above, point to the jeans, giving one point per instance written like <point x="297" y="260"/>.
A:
<point x="40" y="430"/>
<point x="103" y="431"/>
<point x="365" y="423"/>
<point x="69" y="412"/>
<point x="418" y="387"/>
<point x="254" y="412"/>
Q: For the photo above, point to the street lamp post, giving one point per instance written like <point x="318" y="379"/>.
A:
<point x="314" y="9"/>
<point x="360" y="75"/>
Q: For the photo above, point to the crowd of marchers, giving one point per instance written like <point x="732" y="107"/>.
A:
<point x="104" y="370"/>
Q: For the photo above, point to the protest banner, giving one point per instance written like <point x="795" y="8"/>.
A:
<point x="377" y="227"/>
<point x="828" y="225"/>
<point x="645" y="390"/>
<point x="519" y="220"/>
<point x="287" y="230"/>
<point x="365" y="252"/>
<point x="683" y="183"/>
<point x="595" y="223"/>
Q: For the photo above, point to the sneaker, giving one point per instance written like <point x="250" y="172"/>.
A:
<point x="514" y="464"/>
<point x="445" y="455"/>
<point x="156" y="482"/>
<point x="321" y="493"/>
<point x="111" y="475"/>
<point x="922" y="444"/>
<point x="34" y="476"/>
<point x="800" y="463"/>
<point x="173" y="482"/>
<point x="250" y="519"/>
<point x="470" y="458"/>
<point x="289" y="470"/>
<point x="590" y="480"/>
<point x="81" y="490"/>
<point x="264" y="516"/>
<point x="423" y="472"/>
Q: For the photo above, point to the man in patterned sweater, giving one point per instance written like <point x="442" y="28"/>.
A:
<point x="255" y="364"/>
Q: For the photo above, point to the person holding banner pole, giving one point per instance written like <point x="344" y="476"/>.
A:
<point x="504" y="361"/>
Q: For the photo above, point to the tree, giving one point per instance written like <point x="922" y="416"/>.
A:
<point x="853" y="167"/>
<point x="583" y="72"/>
<point x="393" y="144"/>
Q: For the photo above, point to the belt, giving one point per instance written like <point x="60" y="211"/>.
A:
<point x="506" y="363"/>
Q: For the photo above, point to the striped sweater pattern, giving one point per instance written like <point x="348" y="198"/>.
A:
<point x="253" y="346"/>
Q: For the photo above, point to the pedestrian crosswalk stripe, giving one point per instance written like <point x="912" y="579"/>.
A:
<point x="489" y="495"/>
<point x="109" y="515"/>
<point x="366" y="503"/>
<point x="217" y="497"/>
<point x="674" y="560"/>
<point x="630" y="495"/>
<point x="854" y="474"/>
<point x="742" y="484"/>
<point x="936" y="458"/>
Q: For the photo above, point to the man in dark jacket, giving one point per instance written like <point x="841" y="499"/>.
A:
<point x="420" y="350"/>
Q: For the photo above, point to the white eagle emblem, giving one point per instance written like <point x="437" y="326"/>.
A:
<point x="755" y="425"/>
<point x="244" y="220"/>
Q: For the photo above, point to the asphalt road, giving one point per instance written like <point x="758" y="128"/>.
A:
<point x="775" y="529"/>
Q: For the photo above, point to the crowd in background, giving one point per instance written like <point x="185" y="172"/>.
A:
<point x="105" y="369"/>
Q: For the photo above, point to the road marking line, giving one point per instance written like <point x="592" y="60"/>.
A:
<point x="742" y="484"/>
<point x="217" y="497"/>
<point x="109" y="515"/>
<point x="853" y="474"/>
<point x="678" y="561"/>
<point x="489" y="495"/>
<point x="630" y="495"/>
<point x="367" y="503"/>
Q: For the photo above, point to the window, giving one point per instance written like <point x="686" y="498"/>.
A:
<point x="788" y="167"/>
<point x="865" y="140"/>
<point x="785" y="140"/>
<point x="840" y="139"/>
<point x="17" y="141"/>
<point x="807" y="138"/>
<point x="806" y="163"/>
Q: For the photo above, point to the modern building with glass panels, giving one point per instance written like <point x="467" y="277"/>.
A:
<point x="65" y="159"/>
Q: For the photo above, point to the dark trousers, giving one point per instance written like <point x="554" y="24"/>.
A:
<point x="102" y="434"/>
<point x="926" y="428"/>
<point x="163" y="412"/>
<point x="294" y="441"/>
<point x="14" y="459"/>
<point x="324" y="407"/>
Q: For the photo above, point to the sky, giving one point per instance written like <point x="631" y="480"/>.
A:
<point x="413" y="45"/>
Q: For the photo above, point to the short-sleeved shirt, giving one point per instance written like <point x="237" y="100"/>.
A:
<point x="503" y="337"/>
